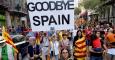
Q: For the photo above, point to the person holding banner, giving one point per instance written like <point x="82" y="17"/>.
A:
<point x="7" y="52"/>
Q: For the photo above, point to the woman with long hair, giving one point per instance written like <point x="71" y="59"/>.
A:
<point x="97" y="46"/>
<point x="65" y="54"/>
<point x="79" y="46"/>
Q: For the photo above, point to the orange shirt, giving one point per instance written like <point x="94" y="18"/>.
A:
<point x="110" y="37"/>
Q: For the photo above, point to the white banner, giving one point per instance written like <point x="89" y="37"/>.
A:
<point x="51" y="14"/>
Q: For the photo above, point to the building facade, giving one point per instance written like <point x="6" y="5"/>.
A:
<point x="13" y="13"/>
<point x="108" y="13"/>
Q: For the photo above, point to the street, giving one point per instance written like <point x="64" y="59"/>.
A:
<point x="57" y="29"/>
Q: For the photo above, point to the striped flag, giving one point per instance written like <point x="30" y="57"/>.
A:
<point x="38" y="38"/>
<point x="60" y="36"/>
<point x="8" y="39"/>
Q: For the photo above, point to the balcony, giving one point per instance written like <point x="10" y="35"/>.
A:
<point x="4" y="4"/>
<point x="17" y="8"/>
<point x="109" y="2"/>
<point x="14" y="6"/>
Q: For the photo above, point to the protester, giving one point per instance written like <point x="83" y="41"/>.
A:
<point x="18" y="29"/>
<point x="79" y="46"/>
<point x="7" y="51"/>
<point x="56" y="48"/>
<point x="88" y="32"/>
<point x="65" y="42"/>
<point x="110" y="37"/>
<point x="65" y="54"/>
<point x="45" y="47"/>
<point x="9" y="29"/>
<point x="13" y="31"/>
<point x="60" y="35"/>
<point x="33" y="49"/>
<point x="51" y="48"/>
<point x="97" y="47"/>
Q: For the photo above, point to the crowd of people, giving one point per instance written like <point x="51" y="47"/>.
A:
<point x="94" y="42"/>
<point x="89" y="43"/>
<point x="52" y="45"/>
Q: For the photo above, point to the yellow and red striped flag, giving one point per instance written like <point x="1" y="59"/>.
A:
<point x="8" y="39"/>
<point x="60" y="35"/>
<point x="38" y="38"/>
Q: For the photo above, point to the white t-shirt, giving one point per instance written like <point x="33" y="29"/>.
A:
<point x="45" y="45"/>
<point x="111" y="51"/>
<point x="74" y="33"/>
<point x="56" y="47"/>
<point x="45" y="41"/>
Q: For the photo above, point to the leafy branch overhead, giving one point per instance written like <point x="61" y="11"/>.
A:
<point x="90" y="4"/>
<point x="77" y="10"/>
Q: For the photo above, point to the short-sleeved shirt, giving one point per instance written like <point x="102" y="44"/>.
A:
<point x="64" y="43"/>
<point x="110" y="37"/>
<point x="96" y="54"/>
<point x="97" y="43"/>
<point x="56" y="47"/>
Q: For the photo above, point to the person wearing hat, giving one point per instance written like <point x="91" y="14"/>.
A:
<point x="6" y="51"/>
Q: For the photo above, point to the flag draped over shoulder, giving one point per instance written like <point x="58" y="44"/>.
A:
<point x="8" y="39"/>
<point x="60" y="36"/>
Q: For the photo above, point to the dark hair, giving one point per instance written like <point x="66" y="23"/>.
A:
<point x="78" y="35"/>
<point x="94" y="36"/>
<point x="45" y="34"/>
<point x="102" y="32"/>
<point x="64" y="35"/>
<point x="69" y="54"/>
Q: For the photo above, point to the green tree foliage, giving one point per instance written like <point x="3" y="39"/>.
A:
<point x="77" y="11"/>
<point x="95" y="5"/>
<point x="90" y="4"/>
